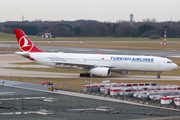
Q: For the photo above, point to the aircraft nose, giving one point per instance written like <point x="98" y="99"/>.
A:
<point x="175" y="66"/>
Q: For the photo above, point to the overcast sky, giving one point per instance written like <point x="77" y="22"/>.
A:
<point x="101" y="10"/>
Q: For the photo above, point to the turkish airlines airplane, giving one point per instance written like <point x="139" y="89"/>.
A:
<point x="93" y="64"/>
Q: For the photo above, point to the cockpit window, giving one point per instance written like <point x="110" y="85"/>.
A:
<point x="169" y="61"/>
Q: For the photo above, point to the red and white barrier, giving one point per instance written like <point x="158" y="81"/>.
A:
<point x="95" y="87"/>
<point x="87" y="88"/>
<point x="106" y="91"/>
<point x="164" y="36"/>
<point x="168" y="99"/>
<point x="114" y="91"/>
<point x="177" y="101"/>
<point x="102" y="86"/>
<point x="164" y="43"/>
<point x="114" y="85"/>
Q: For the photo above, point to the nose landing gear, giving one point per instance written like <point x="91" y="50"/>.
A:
<point x="158" y="76"/>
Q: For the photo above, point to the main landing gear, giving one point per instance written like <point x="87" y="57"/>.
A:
<point x="84" y="75"/>
<point x="158" y="76"/>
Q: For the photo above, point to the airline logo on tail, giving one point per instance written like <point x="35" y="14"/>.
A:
<point x="25" y="44"/>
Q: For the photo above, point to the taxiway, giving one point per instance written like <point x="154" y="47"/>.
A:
<point x="7" y="59"/>
<point x="102" y="51"/>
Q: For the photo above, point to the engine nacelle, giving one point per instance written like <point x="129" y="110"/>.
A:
<point x="100" y="71"/>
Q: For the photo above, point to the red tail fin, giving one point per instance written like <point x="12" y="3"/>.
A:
<point x="25" y="43"/>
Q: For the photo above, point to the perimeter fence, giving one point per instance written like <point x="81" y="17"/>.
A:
<point x="56" y="84"/>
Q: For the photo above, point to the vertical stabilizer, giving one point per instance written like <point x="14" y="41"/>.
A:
<point x="25" y="43"/>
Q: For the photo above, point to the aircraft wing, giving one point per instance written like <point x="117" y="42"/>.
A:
<point x="84" y="65"/>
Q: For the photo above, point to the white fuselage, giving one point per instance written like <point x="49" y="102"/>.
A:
<point x="119" y="62"/>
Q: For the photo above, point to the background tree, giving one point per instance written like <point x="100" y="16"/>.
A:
<point x="91" y="28"/>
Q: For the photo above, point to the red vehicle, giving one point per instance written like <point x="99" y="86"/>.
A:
<point x="46" y="83"/>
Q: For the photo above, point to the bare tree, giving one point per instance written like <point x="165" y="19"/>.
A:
<point x="147" y="20"/>
<point x="153" y="20"/>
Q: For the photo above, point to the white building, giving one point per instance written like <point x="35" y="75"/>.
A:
<point x="47" y="35"/>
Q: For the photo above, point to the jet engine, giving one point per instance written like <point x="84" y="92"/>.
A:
<point x="100" y="71"/>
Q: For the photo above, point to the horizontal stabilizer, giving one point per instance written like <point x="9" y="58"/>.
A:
<point x="24" y="54"/>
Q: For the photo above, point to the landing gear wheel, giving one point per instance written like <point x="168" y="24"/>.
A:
<point x="158" y="77"/>
<point x="82" y="75"/>
<point x="87" y="75"/>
